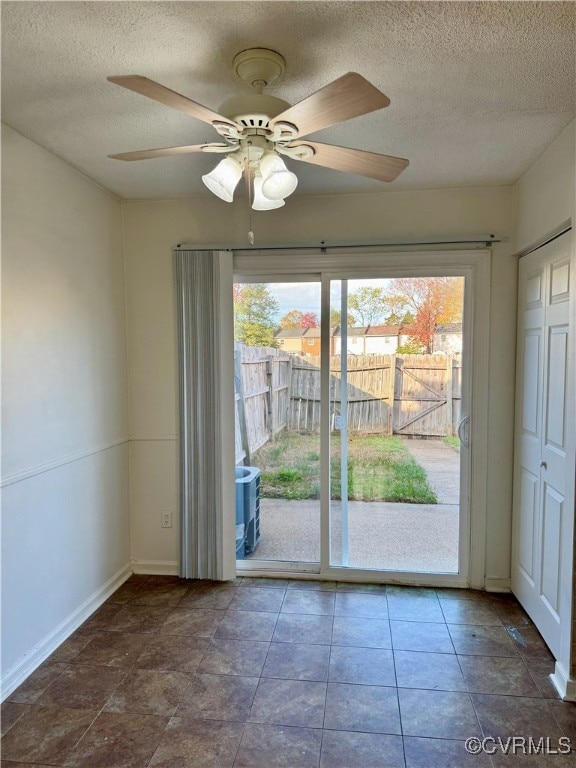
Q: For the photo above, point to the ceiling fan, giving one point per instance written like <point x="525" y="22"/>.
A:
<point x="258" y="128"/>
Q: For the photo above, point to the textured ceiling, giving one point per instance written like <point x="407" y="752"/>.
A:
<point x="477" y="90"/>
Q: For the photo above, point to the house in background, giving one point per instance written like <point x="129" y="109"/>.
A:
<point x="382" y="339"/>
<point x="356" y="341"/>
<point x="290" y="340"/>
<point x="311" y="341"/>
<point x="90" y="373"/>
<point x="448" y="338"/>
<point x="374" y="339"/>
<point x="299" y="341"/>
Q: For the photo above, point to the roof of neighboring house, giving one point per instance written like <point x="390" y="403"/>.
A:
<point x="351" y="331"/>
<point x="383" y="330"/>
<point x="314" y="333"/>
<point x="370" y="330"/>
<point x="449" y="328"/>
<point x="290" y="333"/>
<point x="298" y="333"/>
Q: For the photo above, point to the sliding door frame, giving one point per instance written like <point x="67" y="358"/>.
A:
<point x="474" y="266"/>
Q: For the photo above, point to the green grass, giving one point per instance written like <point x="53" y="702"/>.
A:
<point x="453" y="442"/>
<point x="379" y="469"/>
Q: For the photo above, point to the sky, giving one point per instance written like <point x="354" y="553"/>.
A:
<point x="306" y="296"/>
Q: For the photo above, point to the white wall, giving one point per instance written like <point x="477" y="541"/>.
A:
<point x="381" y="345"/>
<point x="65" y="516"/>
<point x="357" y="345"/>
<point x="153" y="228"/>
<point x="546" y="192"/>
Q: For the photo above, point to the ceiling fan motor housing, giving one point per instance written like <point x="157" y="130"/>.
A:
<point x="254" y="110"/>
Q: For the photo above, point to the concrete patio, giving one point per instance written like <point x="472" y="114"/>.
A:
<point x="381" y="535"/>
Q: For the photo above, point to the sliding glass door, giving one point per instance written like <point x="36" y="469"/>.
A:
<point x="352" y="393"/>
<point x="395" y="404"/>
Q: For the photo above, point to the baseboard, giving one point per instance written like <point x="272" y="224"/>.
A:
<point x="32" y="660"/>
<point x="564" y="683"/>
<point x="496" y="585"/>
<point x="156" y="567"/>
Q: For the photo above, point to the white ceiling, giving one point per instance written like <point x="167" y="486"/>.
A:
<point x="477" y="89"/>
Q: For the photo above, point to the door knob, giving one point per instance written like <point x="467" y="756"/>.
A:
<point x="544" y="465"/>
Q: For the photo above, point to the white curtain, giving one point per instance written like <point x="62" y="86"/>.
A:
<point x="206" y="403"/>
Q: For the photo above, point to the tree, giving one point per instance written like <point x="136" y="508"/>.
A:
<point x="399" y="318"/>
<point x="424" y="325"/>
<point x="309" y="320"/>
<point x="368" y="304"/>
<point x="411" y="347"/>
<point x="297" y="319"/>
<point x="291" y="319"/>
<point x="394" y="318"/>
<point x="431" y="300"/>
<point x="407" y="318"/>
<point x="336" y="318"/>
<point x="254" y="316"/>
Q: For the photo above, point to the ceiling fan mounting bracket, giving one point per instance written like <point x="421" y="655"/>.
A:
<point x="258" y="66"/>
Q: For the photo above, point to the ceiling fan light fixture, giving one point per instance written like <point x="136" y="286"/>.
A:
<point x="277" y="181"/>
<point x="222" y="181"/>
<point x="261" y="202"/>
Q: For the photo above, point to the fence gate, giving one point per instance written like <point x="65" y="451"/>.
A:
<point x="423" y="395"/>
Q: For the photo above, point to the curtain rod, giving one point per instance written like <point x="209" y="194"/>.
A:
<point x="324" y="245"/>
<point x="554" y="234"/>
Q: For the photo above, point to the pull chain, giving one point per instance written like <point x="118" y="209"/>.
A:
<point x="249" y="182"/>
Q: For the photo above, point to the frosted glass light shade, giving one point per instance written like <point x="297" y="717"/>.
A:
<point x="223" y="179"/>
<point x="261" y="202"/>
<point x="277" y="181"/>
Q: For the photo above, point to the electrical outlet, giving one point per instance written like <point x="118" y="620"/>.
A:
<point x="166" y="519"/>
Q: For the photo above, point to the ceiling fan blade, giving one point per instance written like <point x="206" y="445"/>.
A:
<point x="349" y="96"/>
<point x="148" y="154"/>
<point x="372" y="164"/>
<point x="164" y="95"/>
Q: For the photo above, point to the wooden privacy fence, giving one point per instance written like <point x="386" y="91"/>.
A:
<point x="262" y="394"/>
<point x="387" y="394"/>
<point x="370" y="393"/>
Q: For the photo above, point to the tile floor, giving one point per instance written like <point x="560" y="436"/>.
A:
<point x="262" y="673"/>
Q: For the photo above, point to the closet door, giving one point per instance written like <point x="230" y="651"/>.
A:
<point x="544" y="455"/>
